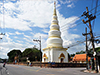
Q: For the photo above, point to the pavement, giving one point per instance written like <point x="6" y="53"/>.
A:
<point x="11" y="69"/>
<point x="90" y="71"/>
<point x="3" y="70"/>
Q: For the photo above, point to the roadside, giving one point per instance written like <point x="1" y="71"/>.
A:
<point x="3" y="70"/>
<point x="90" y="71"/>
<point x="84" y="70"/>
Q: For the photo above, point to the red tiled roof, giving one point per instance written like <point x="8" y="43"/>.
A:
<point x="80" y="57"/>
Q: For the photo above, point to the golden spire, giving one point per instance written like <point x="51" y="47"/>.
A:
<point x="54" y="3"/>
<point x="54" y="8"/>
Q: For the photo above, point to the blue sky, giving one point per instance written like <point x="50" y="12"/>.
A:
<point x="25" y="20"/>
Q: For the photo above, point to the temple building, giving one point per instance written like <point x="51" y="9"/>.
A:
<point x="80" y="58"/>
<point x="54" y="52"/>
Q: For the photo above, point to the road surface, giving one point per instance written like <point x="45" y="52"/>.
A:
<point x="27" y="70"/>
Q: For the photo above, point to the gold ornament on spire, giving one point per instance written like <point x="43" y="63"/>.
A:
<point x="54" y="3"/>
<point x="54" y="8"/>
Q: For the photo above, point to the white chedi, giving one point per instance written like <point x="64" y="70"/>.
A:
<point x="54" y="27"/>
<point x="54" y="42"/>
<point x="54" y="39"/>
<point x="54" y="52"/>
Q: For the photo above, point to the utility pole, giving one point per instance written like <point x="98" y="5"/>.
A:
<point x="40" y="48"/>
<point x="85" y="34"/>
<point x="90" y="18"/>
<point x="2" y="34"/>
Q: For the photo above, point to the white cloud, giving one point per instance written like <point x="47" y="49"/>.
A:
<point x="45" y="30"/>
<point x="29" y="37"/>
<point x="71" y="5"/>
<point x="7" y="38"/>
<point x="69" y="38"/>
<point x="11" y="33"/>
<point x="37" y="35"/>
<point x="65" y="1"/>
<point x="90" y="45"/>
<point x="26" y="39"/>
<point x="33" y="11"/>
<point x="76" y="48"/>
<point x="65" y="24"/>
<point x="16" y="37"/>
<point x="19" y="41"/>
<point x="16" y="23"/>
<point x="7" y="46"/>
<point x="97" y="45"/>
<point x="43" y="39"/>
<point x="36" y="12"/>
<point x="18" y="33"/>
<point x="74" y="29"/>
<point x="33" y="14"/>
<point x="11" y="0"/>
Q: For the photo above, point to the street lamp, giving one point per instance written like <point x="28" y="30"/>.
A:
<point x="40" y="47"/>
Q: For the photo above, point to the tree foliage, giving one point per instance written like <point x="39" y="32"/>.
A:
<point x="72" y="55"/>
<point x="13" y="53"/>
<point x="97" y="49"/>
<point x="90" y="52"/>
<point x="32" y="53"/>
<point x="81" y="52"/>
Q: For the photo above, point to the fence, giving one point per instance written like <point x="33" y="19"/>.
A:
<point x="55" y="65"/>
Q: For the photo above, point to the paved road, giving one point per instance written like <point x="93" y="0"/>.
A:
<point x="26" y="70"/>
<point x="3" y="71"/>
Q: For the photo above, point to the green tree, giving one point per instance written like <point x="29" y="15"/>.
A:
<point x="13" y="53"/>
<point x="81" y="52"/>
<point x="1" y="60"/>
<point x="97" y="49"/>
<point x="90" y="52"/>
<point x="32" y="53"/>
<point x="72" y="55"/>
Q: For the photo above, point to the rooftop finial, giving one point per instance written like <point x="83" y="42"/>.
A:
<point x="54" y="7"/>
<point x="54" y="3"/>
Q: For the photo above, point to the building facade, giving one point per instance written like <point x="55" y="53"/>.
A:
<point x="54" y="52"/>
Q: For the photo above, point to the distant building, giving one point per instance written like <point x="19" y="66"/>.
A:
<point x="80" y="58"/>
<point x="54" y="52"/>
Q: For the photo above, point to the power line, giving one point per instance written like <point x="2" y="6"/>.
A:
<point x="90" y="18"/>
<point x="63" y="29"/>
<point x="71" y="26"/>
<point x="70" y="22"/>
<point x="77" y="17"/>
<point x="80" y="42"/>
<point x="95" y="13"/>
<point x="76" y="44"/>
<point x="93" y="8"/>
<point x="92" y="4"/>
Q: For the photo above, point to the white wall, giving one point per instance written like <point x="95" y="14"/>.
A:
<point x="57" y="55"/>
<point x="53" y="55"/>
